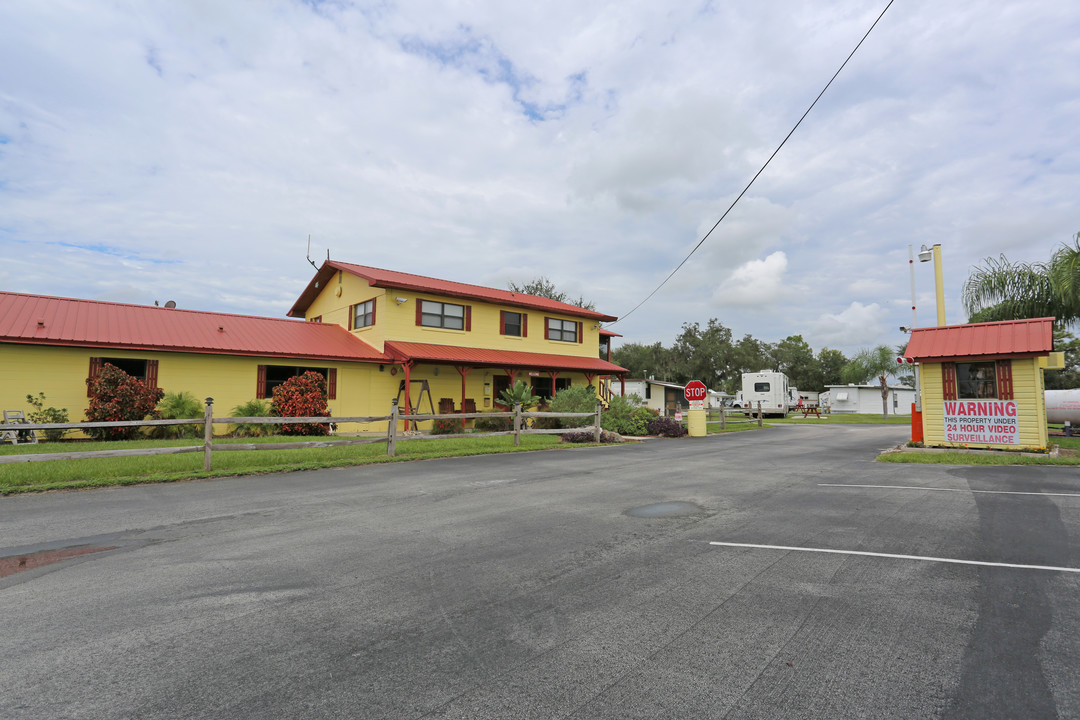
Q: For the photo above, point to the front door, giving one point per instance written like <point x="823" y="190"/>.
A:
<point x="498" y="384"/>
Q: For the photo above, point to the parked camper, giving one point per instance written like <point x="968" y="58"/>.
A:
<point x="770" y="389"/>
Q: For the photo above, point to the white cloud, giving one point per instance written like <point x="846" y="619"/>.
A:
<point x="854" y="327"/>
<point x="756" y="283"/>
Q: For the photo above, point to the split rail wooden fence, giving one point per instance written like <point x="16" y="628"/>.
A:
<point x="208" y="447"/>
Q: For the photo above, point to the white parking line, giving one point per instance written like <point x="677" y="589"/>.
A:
<point x="919" y="487"/>
<point x="898" y="557"/>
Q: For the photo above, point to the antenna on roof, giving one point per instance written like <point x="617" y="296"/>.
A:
<point x="309" y="253"/>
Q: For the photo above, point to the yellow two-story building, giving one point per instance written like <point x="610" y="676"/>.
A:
<point x="375" y="335"/>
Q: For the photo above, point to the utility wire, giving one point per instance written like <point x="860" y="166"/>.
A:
<point x="756" y="175"/>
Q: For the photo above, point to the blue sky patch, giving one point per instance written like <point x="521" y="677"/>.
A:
<point x="121" y="253"/>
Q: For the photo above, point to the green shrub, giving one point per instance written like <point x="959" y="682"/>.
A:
<point x="253" y="408"/>
<point x="302" y="396"/>
<point x="493" y="424"/>
<point x="178" y="406"/>
<point x="578" y="398"/>
<point x="116" y="396"/>
<point x="627" y="416"/>
<point x="446" y="426"/>
<point x="42" y="414"/>
<point x="666" y="427"/>
<point x="588" y="436"/>
<point x="518" y="394"/>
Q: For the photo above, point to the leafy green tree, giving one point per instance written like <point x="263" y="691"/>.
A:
<point x="574" y="399"/>
<point x="42" y="415"/>
<point x="869" y="363"/>
<point x="831" y="365"/>
<point x="646" y="360"/>
<point x="750" y="355"/>
<point x="704" y="355"/>
<point x="1001" y="290"/>
<point x="542" y="287"/>
<point x="795" y="358"/>
<point x="1069" y="377"/>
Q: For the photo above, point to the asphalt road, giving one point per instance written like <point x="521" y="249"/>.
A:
<point x="578" y="583"/>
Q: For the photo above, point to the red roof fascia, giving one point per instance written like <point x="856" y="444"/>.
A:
<point x="604" y="332"/>
<point x="1011" y="338"/>
<point x="418" y="283"/>
<point x="42" y="320"/>
<point x="423" y="352"/>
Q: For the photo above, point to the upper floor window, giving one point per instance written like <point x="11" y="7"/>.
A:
<point x="317" y="318"/>
<point x="513" y="323"/>
<point x="564" y="330"/>
<point x="363" y="314"/>
<point x="441" y="315"/>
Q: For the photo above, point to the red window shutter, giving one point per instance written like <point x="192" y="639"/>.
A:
<point x="151" y="373"/>
<point x="1004" y="379"/>
<point x="524" y="325"/>
<point x="419" y="302"/>
<point x="331" y="384"/>
<point x="260" y="383"/>
<point x="373" y="310"/>
<point x="502" y="322"/>
<point x="468" y="318"/>
<point x="580" y="334"/>
<point x="547" y="328"/>
<point x="948" y="381"/>
<point x="96" y="364"/>
<point x="352" y="317"/>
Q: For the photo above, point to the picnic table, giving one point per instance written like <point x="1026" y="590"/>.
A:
<point x="808" y="410"/>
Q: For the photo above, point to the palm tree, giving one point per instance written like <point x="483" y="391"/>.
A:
<point x="1010" y="291"/>
<point x="868" y="363"/>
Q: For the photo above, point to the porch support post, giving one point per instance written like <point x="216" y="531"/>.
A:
<point x="463" y="371"/>
<point x="407" y="367"/>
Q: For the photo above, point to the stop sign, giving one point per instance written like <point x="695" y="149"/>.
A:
<point x="695" y="390"/>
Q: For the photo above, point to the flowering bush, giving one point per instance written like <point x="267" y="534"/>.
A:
<point x="114" y="396"/>
<point x="666" y="427"/>
<point x="446" y="426"/>
<point x="302" y="396"/>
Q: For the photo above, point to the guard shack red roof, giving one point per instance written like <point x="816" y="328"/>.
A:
<point x="1010" y="338"/>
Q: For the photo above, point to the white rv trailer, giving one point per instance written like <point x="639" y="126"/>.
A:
<point x="767" y="387"/>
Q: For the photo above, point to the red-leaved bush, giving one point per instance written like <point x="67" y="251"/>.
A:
<point x="302" y="396"/>
<point x="115" y="395"/>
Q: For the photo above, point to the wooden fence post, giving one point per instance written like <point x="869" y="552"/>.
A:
<point x="208" y="433"/>
<point x="723" y="418"/>
<point x="759" y="413"/>
<point x="517" y="424"/>
<point x="391" y="430"/>
<point x="596" y="421"/>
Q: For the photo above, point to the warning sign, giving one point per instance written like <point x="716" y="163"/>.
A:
<point x="981" y="421"/>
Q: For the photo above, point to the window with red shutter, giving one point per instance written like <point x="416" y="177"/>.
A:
<point x="151" y="373"/>
<point x="260" y="383"/>
<point x="96" y="364"/>
<point x="331" y="384"/>
<point x="1005" y="379"/>
<point x="948" y="381"/>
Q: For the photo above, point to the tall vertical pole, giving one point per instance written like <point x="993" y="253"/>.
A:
<point x="939" y="285"/>
<point x="911" y="266"/>
<point x="208" y="433"/>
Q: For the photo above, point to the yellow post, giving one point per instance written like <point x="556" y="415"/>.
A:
<point x="939" y="285"/>
<point x="695" y="423"/>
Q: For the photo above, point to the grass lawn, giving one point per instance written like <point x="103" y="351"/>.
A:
<point x="1069" y="456"/>
<point x="102" y="472"/>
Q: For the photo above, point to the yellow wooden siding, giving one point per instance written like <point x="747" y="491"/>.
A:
<point x="394" y="321"/>
<point x="1027" y="391"/>
<point x="61" y="372"/>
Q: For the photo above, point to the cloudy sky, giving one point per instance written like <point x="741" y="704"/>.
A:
<point x="186" y="150"/>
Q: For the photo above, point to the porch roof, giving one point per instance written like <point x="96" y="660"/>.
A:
<point x="1010" y="338"/>
<point x="483" y="357"/>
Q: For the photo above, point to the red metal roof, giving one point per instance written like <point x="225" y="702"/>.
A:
<point x="498" y="358"/>
<point x="41" y="320"/>
<point x="418" y="283"/>
<point x="1008" y="338"/>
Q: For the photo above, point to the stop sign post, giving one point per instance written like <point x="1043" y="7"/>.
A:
<point x="695" y="392"/>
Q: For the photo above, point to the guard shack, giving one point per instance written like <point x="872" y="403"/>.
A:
<point x="982" y="383"/>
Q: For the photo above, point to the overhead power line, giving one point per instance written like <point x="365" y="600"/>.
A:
<point x="758" y="173"/>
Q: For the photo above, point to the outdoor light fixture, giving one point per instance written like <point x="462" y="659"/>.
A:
<point x="926" y="254"/>
<point x="401" y="300"/>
